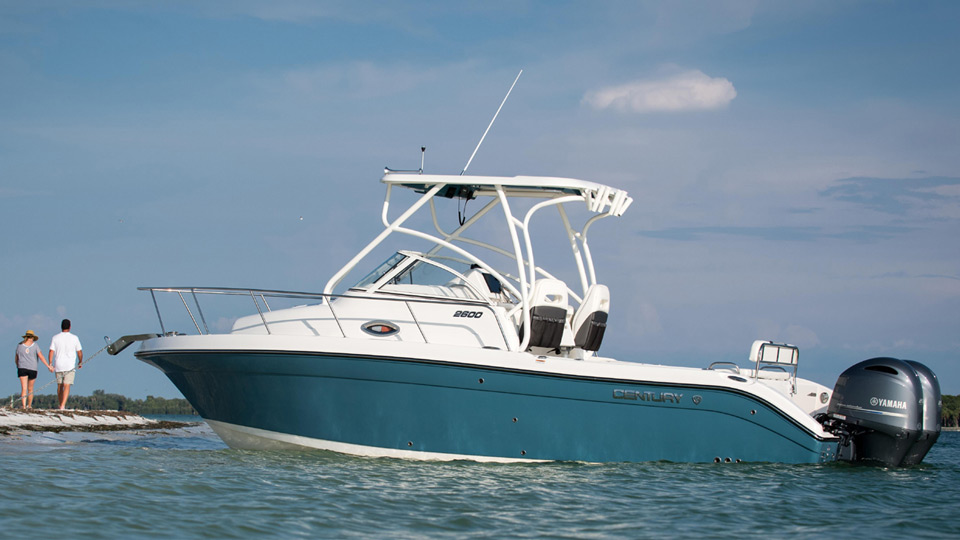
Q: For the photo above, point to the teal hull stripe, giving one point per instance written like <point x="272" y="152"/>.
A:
<point x="445" y="408"/>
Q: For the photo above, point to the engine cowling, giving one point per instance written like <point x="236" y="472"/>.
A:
<point x="885" y="410"/>
<point x="932" y="409"/>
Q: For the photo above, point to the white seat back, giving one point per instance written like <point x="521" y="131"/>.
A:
<point x="590" y="319"/>
<point x="548" y="313"/>
<point x="549" y="292"/>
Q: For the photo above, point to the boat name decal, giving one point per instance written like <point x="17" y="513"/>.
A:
<point x="656" y="397"/>
<point x="469" y="314"/>
<point x="889" y="403"/>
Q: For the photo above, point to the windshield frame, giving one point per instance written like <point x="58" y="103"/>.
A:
<point x="403" y="262"/>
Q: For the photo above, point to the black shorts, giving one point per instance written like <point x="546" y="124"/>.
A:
<point x="30" y="374"/>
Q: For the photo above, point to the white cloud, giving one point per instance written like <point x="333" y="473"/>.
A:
<point x="801" y="336"/>
<point x="687" y="91"/>
<point x="38" y="322"/>
<point x="357" y="80"/>
<point x="287" y="11"/>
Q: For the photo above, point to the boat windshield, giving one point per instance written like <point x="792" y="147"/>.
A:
<point x="436" y="276"/>
<point x="379" y="271"/>
<point x="430" y="272"/>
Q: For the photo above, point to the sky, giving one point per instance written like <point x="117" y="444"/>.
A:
<point x="795" y="166"/>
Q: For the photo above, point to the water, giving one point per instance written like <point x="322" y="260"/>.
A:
<point x="186" y="483"/>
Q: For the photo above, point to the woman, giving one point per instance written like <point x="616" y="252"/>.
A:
<point x="26" y="359"/>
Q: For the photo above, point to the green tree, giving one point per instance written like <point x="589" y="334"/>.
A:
<point x="102" y="401"/>
<point x="950" y="416"/>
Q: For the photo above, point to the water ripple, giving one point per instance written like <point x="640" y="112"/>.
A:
<point x="189" y="485"/>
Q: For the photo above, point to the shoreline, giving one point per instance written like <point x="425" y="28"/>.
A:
<point x="19" y="421"/>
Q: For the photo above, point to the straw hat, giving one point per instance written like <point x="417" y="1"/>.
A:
<point x="31" y="335"/>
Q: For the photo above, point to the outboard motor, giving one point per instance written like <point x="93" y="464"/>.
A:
<point x="932" y="408"/>
<point x="885" y="410"/>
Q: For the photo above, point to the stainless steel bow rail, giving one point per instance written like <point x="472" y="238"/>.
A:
<point x="260" y="296"/>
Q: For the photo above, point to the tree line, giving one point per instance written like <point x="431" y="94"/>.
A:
<point x="102" y="401"/>
<point x="950" y="416"/>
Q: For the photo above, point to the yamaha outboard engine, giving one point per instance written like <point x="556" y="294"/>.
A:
<point x="885" y="410"/>
<point x="932" y="408"/>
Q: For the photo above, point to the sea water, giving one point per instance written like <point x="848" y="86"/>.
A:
<point x="187" y="483"/>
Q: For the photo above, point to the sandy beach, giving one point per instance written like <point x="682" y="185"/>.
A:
<point x="13" y="421"/>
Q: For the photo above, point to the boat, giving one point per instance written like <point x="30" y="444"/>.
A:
<point x="466" y="347"/>
<point x="440" y="354"/>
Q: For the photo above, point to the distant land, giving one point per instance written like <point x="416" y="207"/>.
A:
<point x="102" y="401"/>
<point x="950" y="416"/>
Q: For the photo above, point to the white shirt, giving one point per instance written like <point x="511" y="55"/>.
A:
<point x="64" y="346"/>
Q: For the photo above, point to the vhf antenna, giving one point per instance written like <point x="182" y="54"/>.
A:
<point x="491" y="123"/>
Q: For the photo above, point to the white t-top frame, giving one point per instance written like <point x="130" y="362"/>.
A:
<point x="601" y="200"/>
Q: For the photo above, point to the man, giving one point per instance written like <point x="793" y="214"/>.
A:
<point x="65" y="352"/>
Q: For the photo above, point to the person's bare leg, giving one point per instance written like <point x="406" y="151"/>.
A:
<point x="23" y="391"/>
<point x="30" y="393"/>
<point x="66" y="394"/>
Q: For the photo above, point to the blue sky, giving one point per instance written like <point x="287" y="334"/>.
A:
<point x="794" y="167"/>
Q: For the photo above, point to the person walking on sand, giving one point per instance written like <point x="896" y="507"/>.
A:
<point x="65" y="352"/>
<point x="26" y="359"/>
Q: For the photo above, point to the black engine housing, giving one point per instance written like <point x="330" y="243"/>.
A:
<point x="885" y="410"/>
